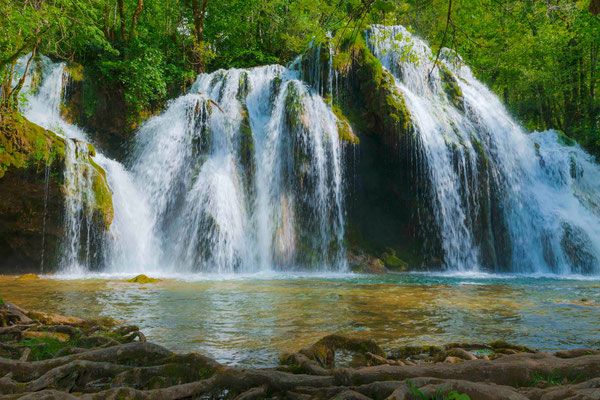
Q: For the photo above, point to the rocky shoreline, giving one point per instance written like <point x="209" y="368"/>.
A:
<point x="49" y="356"/>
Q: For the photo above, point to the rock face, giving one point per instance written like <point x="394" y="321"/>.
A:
<point x="32" y="204"/>
<point x="32" y="162"/>
<point x="384" y="203"/>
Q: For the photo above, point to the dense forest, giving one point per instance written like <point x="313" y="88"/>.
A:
<point x="541" y="57"/>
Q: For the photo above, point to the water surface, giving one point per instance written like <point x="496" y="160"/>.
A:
<point x="253" y="319"/>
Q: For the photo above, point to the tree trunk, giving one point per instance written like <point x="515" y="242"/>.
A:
<point x="136" y="16"/>
<point x="122" y="19"/>
<point x="594" y="7"/>
<point x="199" y="11"/>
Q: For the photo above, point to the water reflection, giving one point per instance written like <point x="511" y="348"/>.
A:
<point x="253" y="321"/>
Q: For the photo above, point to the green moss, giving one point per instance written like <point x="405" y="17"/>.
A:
<point x="75" y="72"/>
<point x="384" y="105"/>
<point x="502" y="345"/>
<point x="451" y="87"/>
<point x="274" y="89"/>
<point x="392" y="262"/>
<point x="345" y="132"/>
<point x="23" y="143"/>
<point x="294" y="107"/>
<point x="244" y="86"/>
<point x="43" y="348"/>
<point x="103" y="204"/>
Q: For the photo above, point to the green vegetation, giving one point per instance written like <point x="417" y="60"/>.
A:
<point x="540" y="57"/>
<point x="45" y="348"/>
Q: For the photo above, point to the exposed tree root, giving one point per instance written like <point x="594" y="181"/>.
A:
<point x="98" y="362"/>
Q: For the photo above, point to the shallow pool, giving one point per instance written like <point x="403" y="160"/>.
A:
<point x="253" y="319"/>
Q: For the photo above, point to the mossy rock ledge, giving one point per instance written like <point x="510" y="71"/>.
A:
<point x="32" y="204"/>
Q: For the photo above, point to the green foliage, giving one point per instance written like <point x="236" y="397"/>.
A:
<point x="540" y="57"/>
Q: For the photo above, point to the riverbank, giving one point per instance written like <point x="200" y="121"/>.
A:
<point x="59" y="357"/>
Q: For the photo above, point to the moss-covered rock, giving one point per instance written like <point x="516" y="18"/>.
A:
<point x="28" y="277"/>
<point x="32" y="162"/>
<point x="102" y="204"/>
<point x="365" y="264"/>
<point x="393" y="262"/>
<point x="24" y="144"/>
<point x="382" y="213"/>
<point x="32" y="173"/>
<point x="345" y="132"/>
<point x="243" y="87"/>
<point x="143" y="279"/>
<point x="451" y="87"/>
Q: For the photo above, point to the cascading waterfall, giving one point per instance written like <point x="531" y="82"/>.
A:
<point x="83" y="247"/>
<point x="503" y="200"/>
<point x="244" y="173"/>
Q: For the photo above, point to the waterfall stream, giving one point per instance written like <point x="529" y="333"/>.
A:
<point x="83" y="248"/>
<point x="244" y="174"/>
<point x="504" y="200"/>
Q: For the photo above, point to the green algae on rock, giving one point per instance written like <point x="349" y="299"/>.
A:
<point x="28" y="277"/>
<point x="24" y="144"/>
<point x="142" y="279"/>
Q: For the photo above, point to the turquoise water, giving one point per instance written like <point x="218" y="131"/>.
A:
<point x="251" y="320"/>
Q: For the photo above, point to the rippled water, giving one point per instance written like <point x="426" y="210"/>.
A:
<point x="253" y="319"/>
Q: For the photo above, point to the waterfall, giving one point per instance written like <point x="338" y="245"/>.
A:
<point x="244" y="173"/>
<point x="84" y="248"/>
<point x="504" y="200"/>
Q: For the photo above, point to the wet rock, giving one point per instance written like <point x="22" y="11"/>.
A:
<point x="142" y="279"/>
<point x="28" y="277"/>
<point x="365" y="264"/>
<point x="453" y="360"/>
<point x="577" y="353"/>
